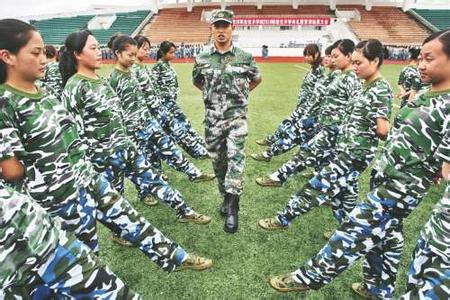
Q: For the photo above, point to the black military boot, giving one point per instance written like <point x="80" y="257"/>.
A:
<point x="231" y="221"/>
<point x="223" y="208"/>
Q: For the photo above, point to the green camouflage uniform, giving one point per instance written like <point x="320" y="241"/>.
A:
<point x="43" y="136"/>
<point x="34" y="251"/>
<point x="225" y="79"/>
<point x="429" y="272"/>
<point x="337" y="180"/>
<point x="412" y="156"/>
<point x="53" y="77"/>
<point x="331" y="111"/>
<point x="181" y="132"/>
<point x="144" y="129"/>
<point x="409" y="79"/>
<point x="289" y="132"/>
<point x="96" y="109"/>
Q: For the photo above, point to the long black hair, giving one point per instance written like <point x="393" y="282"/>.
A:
<point x="314" y="51"/>
<point x="346" y="46"/>
<point x="164" y="48"/>
<point x="141" y="41"/>
<point x="14" y="35"/>
<point x="372" y="49"/>
<point x="74" y="43"/>
<point x="119" y="43"/>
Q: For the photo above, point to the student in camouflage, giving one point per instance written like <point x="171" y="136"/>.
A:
<point x="226" y="75"/>
<point x="333" y="110"/>
<point x="139" y="123"/>
<point x="167" y="81"/>
<point x="298" y="127"/>
<point x="368" y="120"/>
<point x="52" y="75"/>
<point x="98" y="115"/>
<point x="412" y="156"/>
<point x="409" y="82"/>
<point x="35" y="252"/>
<point x="429" y="272"/>
<point x="43" y="136"/>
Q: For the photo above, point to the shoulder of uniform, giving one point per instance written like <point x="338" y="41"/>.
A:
<point x="241" y="52"/>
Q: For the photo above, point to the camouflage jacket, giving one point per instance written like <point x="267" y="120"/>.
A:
<point x="437" y="230"/>
<point x="225" y="79"/>
<point x="409" y="78"/>
<point x="166" y="79"/>
<point x="358" y="138"/>
<point x="416" y="148"/>
<point x="53" y="77"/>
<point x="311" y="106"/>
<point x="43" y="135"/>
<point x="134" y="109"/>
<point x="309" y="82"/>
<point x="334" y="106"/>
<point x="96" y="109"/>
<point x="27" y="236"/>
<point x="147" y="85"/>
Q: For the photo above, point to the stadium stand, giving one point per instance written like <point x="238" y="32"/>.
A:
<point x="178" y="25"/>
<point x="125" y="23"/>
<point x="388" y="24"/>
<point x="54" y="31"/>
<point x="439" y="19"/>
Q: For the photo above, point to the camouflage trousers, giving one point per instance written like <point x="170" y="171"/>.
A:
<point x="225" y="141"/>
<point x="429" y="273"/>
<point x="133" y="165"/>
<point x="58" y="265"/>
<point x="289" y="134"/>
<point x="177" y="125"/>
<point x="313" y="153"/>
<point x="372" y="230"/>
<point x="72" y="271"/>
<point x="157" y="145"/>
<point x="100" y="202"/>
<point x="337" y="183"/>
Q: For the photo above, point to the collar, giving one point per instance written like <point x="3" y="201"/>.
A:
<point x="214" y="50"/>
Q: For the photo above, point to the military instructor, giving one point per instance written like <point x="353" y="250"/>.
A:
<point x="226" y="75"/>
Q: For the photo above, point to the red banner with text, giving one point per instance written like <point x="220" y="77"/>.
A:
<point x="282" y="21"/>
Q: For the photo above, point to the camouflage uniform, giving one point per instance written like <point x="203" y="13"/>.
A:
<point x="413" y="154"/>
<point x="144" y="129"/>
<point x="40" y="132"/>
<point x="96" y="109"/>
<point x="225" y="80"/>
<point x="180" y="129"/>
<point x="53" y="77"/>
<point x="342" y="87"/>
<point x="354" y="151"/>
<point x="36" y="253"/>
<point x="429" y="273"/>
<point x="299" y="127"/>
<point x="409" y="79"/>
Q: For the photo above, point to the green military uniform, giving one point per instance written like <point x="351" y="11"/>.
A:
<point x="225" y="78"/>
<point x="43" y="135"/>
<point x="35" y="252"/>
<point x="53" y="77"/>
<point x="190" y="141"/>
<point x="355" y="148"/>
<point x="413" y="154"/>
<point x="429" y="273"/>
<point x="409" y="79"/>
<point x="144" y="129"/>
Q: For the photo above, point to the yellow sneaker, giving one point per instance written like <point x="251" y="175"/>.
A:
<point x="150" y="201"/>
<point x="195" y="262"/>
<point x="360" y="289"/>
<point x="120" y="241"/>
<point x="271" y="224"/>
<point x="260" y="157"/>
<point x="203" y="178"/>
<point x="268" y="182"/>
<point x="286" y="283"/>
<point x="194" y="218"/>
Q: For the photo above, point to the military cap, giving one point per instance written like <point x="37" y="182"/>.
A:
<point x="221" y="15"/>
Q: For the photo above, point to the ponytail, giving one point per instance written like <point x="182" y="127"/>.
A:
<point x="74" y="43"/>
